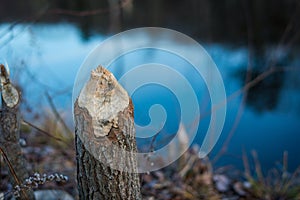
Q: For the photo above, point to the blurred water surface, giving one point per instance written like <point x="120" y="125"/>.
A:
<point x="45" y="58"/>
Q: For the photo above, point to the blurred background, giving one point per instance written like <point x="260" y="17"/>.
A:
<point x="254" y="43"/>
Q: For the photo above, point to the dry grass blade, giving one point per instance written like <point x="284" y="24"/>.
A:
<point x="57" y="115"/>
<point x="246" y="165"/>
<point x="45" y="132"/>
<point x="279" y="184"/>
<point x="258" y="167"/>
<point x="12" y="171"/>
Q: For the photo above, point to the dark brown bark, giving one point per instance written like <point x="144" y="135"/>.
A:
<point x="105" y="140"/>
<point x="9" y="142"/>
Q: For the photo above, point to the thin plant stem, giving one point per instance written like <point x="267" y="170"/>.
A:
<point x="12" y="171"/>
<point x="44" y="132"/>
<point x="257" y="167"/>
<point x="57" y="115"/>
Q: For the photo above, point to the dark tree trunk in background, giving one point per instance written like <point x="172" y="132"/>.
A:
<point x="115" y="15"/>
<point x="9" y="143"/>
<point x="100" y="99"/>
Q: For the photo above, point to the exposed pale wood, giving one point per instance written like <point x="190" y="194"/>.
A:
<point x="104" y="131"/>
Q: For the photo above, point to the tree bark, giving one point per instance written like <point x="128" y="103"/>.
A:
<point x="105" y="140"/>
<point x="9" y="143"/>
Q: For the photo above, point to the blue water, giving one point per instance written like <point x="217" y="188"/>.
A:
<point x="46" y="58"/>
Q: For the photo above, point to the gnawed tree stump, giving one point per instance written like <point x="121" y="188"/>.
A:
<point x="10" y="134"/>
<point x="105" y="140"/>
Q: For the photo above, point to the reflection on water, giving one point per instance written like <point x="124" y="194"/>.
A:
<point x="46" y="58"/>
<point x="208" y="20"/>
